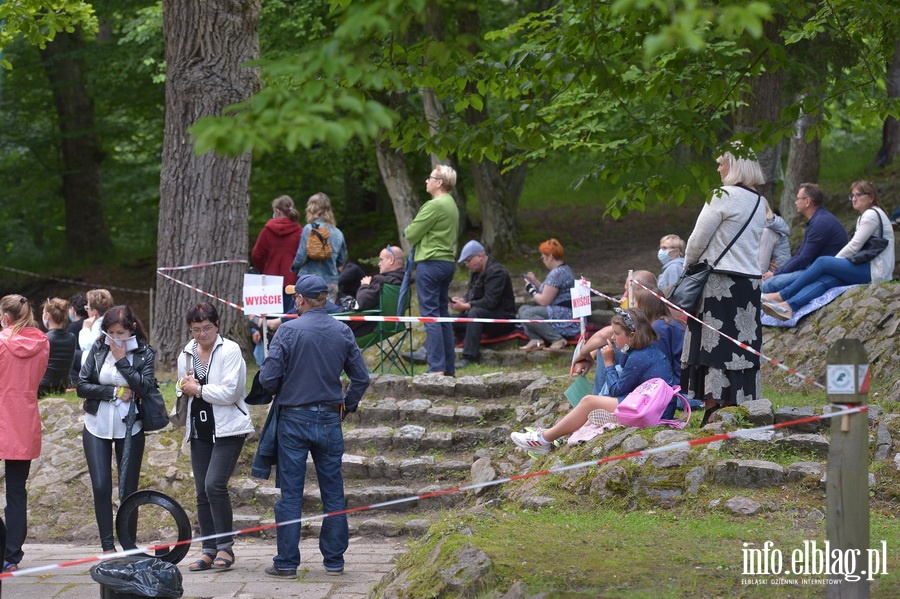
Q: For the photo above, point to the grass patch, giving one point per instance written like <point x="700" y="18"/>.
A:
<point x="586" y="552"/>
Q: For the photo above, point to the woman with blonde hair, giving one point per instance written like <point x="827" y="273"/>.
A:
<point x="320" y="218"/>
<point x="553" y="297"/>
<point x="433" y="233"/>
<point x="98" y="302"/>
<point x="24" y="353"/>
<point x="728" y="229"/>
<point x="275" y="248"/>
<point x="62" y="347"/>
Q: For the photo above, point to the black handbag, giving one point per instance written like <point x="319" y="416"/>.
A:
<point x="153" y="410"/>
<point x="688" y="291"/>
<point x="872" y="247"/>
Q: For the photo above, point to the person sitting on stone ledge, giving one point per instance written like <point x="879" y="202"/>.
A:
<point x="845" y="268"/>
<point x="553" y="299"/>
<point x="825" y="236"/>
<point x="633" y="336"/>
<point x="585" y="358"/>
<point x="490" y="295"/>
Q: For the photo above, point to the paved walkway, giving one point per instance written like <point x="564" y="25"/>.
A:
<point x="367" y="561"/>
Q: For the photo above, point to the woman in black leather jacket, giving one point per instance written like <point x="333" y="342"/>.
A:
<point x="118" y="371"/>
<point x="62" y="347"/>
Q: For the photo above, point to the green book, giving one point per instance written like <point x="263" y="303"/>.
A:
<point x="578" y="389"/>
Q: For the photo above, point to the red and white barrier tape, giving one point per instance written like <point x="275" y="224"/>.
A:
<point x="740" y="344"/>
<point x="74" y="282"/>
<point x="501" y="481"/>
<point x="372" y="318"/>
<point x="200" y="291"/>
<point x="201" y="265"/>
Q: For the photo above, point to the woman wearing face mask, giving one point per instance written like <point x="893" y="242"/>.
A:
<point x="671" y="255"/>
<point x="62" y="347"/>
<point x="24" y="352"/>
<point x="118" y="371"/>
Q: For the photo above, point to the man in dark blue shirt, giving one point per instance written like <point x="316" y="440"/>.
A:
<point x="306" y="359"/>
<point x="825" y="236"/>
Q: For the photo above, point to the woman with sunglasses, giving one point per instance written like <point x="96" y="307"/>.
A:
<point x="828" y="272"/>
<point x="640" y="361"/>
<point x="213" y="375"/>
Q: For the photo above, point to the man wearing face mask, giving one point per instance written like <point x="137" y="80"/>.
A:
<point x="671" y="255"/>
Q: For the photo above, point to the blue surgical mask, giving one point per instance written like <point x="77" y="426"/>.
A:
<point x="663" y="256"/>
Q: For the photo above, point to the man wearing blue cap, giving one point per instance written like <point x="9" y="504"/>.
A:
<point x="306" y="359"/>
<point x="490" y="295"/>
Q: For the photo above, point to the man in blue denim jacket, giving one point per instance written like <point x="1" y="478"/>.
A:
<point x="307" y="356"/>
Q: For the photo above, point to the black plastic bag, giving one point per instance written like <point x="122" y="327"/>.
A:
<point x="144" y="576"/>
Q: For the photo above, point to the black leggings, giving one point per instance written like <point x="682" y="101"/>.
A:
<point x="98" y="453"/>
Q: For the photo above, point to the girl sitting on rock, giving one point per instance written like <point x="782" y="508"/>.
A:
<point x="634" y="336"/>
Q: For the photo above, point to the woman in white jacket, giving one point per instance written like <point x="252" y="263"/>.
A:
<point x="212" y="373"/>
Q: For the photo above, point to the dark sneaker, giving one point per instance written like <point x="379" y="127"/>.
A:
<point x="279" y="573"/>
<point x="420" y="356"/>
<point x="465" y="361"/>
<point x="337" y="572"/>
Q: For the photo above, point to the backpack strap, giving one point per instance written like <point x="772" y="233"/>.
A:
<point x="686" y="411"/>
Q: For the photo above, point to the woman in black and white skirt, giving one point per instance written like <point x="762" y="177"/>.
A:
<point x="716" y="370"/>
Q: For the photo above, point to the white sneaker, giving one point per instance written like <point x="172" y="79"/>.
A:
<point x="531" y="440"/>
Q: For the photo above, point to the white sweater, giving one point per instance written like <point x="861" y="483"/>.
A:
<point x="225" y="388"/>
<point x="719" y="222"/>
<point x="866" y="226"/>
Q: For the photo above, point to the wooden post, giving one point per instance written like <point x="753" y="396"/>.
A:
<point x="847" y="488"/>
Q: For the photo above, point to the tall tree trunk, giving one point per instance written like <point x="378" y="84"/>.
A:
<point x="395" y="174"/>
<point x="87" y="232"/>
<point x="763" y="104"/>
<point x="803" y="165"/>
<point x="890" y="133"/>
<point x="204" y="200"/>
<point x="499" y="205"/>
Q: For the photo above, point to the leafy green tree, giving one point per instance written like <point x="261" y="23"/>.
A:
<point x="631" y="83"/>
<point x="39" y="21"/>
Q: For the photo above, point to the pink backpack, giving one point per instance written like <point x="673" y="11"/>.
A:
<point x="645" y="405"/>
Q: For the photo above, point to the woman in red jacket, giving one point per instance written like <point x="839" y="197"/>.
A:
<point x="277" y="244"/>
<point x="24" y="353"/>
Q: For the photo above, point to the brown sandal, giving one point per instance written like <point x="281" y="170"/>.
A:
<point x="204" y="562"/>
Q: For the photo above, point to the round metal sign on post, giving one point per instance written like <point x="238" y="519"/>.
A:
<point x="128" y="510"/>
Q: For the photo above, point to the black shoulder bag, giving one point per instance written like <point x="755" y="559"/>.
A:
<point x="873" y="245"/>
<point x="688" y="291"/>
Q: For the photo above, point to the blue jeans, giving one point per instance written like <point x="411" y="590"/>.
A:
<point x="824" y="274"/>
<point x="301" y="432"/>
<point x="213" y="464"/>
<point x="433" y="278"/>
<point x="779" y="282"/>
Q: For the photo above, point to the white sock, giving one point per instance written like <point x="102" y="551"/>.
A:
<point x="542" y="439"/>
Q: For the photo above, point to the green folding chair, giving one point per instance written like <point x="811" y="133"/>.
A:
<point x="390" y="336"/>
